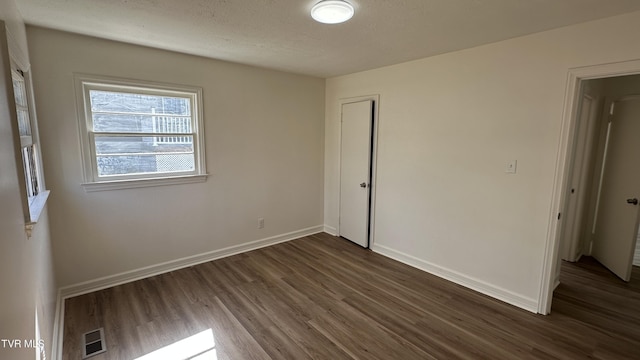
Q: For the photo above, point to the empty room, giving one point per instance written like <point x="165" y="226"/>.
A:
<point x="321" y="179"/>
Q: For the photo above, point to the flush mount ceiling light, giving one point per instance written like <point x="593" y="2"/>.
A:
<point x="332" y="11"/>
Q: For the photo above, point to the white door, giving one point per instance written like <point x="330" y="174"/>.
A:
<point x="617" y="218"/>
<point x="355" y="171"/>
<point x="578" y="185"/>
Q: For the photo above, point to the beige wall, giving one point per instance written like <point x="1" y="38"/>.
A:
<point x="264" y="140"/>
<point x="621" y="86"/>
<point x="26" y="273"/>
<point x="448" y="125"/>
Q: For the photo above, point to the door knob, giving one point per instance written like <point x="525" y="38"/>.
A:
<point x="364" y="185"/>
<point x="633" y="201"/>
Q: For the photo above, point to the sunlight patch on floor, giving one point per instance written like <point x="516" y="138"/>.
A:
<point x="200" y="346"/>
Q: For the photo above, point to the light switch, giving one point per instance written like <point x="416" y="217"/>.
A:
<point x="511" y="167"/>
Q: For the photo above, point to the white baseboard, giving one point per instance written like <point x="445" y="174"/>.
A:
<point x="460" y="279"/>
<point x="330" y="230"/>
<point x="148" y="271"/>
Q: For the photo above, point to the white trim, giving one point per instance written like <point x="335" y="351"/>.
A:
<point x="35" y="132"/>
<point x="58" y="328"/>
<point x="83" y="83"/>
<point x="480" y="286"/>
<point x="172" y="265"/>
<point x="138" y="183"/>
<point x="36" y="205"/>
<point x="563" y="163"/>
<point x="330" y="230"/>
<point x="375" y="98"/>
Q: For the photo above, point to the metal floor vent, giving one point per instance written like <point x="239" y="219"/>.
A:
<point x="93" y="343"/>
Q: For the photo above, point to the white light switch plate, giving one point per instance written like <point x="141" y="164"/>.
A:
<point x="511" y="167"/>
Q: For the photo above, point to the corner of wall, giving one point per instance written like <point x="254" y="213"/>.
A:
<point x="480" y="286"/>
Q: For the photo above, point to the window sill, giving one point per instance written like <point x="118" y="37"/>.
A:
<point x="36" y="206"/>
<point x="140" y="183"/>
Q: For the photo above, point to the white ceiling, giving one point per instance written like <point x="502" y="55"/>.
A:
<point x="280" y="34"/>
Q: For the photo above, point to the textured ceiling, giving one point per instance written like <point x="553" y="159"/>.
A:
<point x="280" y="34"/>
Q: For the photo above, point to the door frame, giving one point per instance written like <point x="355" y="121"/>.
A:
<point x="568" y="126"/>
<point x="375" y="98"/>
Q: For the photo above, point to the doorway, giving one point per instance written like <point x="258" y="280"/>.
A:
<point x="582" y="165"/>
<point x="357" y="168"/>
<point x="616" y="220"/>
<point x="604" y="181"/>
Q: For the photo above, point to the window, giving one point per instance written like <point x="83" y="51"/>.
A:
<point x="26" y="140"/>
<point x="33" y="183"/>
<point x="139" y="134"/>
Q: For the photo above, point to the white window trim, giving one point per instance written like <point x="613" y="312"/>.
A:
<point x="83" y="83"/>
<point x="34" y="205"/>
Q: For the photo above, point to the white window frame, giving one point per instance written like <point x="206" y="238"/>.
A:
<point x="92" y="182"/>
<point x="33" y="204"/>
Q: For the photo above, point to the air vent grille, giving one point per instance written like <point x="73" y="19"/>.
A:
<point x="93" y="343"/>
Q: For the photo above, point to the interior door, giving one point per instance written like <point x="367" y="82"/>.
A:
<point x="355" y="171"/>
<point x="617" y="219"/>
<point x="578" y="185"/>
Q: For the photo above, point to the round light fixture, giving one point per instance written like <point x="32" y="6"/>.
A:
<point x="332" y="11"/>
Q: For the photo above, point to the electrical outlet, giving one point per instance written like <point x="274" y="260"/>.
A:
<point x="261" y="223"/>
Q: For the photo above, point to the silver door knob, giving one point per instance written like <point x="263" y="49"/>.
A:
<point x="363" y="185"/>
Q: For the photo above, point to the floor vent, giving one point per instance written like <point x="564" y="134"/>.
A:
<point x="93" y="343"/>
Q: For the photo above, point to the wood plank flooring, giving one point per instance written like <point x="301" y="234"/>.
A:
<point x="321" y="297"/>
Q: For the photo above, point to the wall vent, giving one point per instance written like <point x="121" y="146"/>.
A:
<point x="93" y="343"/>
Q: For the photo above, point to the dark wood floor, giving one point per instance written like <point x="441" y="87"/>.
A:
<point x="321" y="297"/>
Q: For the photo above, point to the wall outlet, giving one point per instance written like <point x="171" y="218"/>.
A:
<point x="261" y="223"/>
<point x="511" y="166"/>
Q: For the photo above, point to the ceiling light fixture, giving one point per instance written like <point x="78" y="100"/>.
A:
<point x="332" y="11"/>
